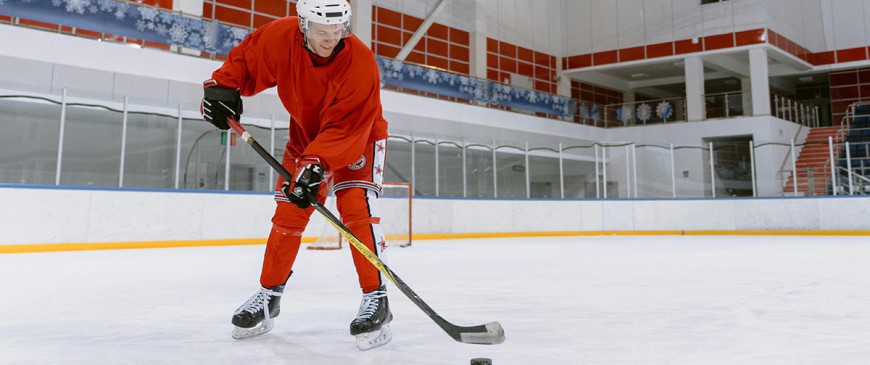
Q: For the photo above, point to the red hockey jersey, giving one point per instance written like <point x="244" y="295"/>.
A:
<point x="335" y="109"/>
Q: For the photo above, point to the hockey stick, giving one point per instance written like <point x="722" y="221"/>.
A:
<point x="486" y="334"/>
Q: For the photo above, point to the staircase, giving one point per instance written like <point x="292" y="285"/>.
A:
<point x="814" y="156"/>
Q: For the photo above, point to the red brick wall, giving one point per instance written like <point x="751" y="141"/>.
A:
<point x="503" y="58"/>
<point x="442" y="46"/>
<point x="247" y="13"/>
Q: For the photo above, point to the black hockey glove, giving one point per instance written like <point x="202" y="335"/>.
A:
<point x="218" y="103"/>
<point x="306" y="182"/>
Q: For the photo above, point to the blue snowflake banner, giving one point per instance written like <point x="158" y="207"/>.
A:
<point x="129" y="20"/>
<point x="426" y="79"/>
<point x="400" y="74"/>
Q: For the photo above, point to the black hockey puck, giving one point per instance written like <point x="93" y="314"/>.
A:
<point x="481" y="361"/>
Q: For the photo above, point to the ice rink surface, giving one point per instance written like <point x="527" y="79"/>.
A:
<point x="577" y="300"/>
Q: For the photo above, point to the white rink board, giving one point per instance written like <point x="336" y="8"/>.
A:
<point x="49" y="215"/>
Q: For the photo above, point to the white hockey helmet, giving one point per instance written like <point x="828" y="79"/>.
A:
<point x="326" y="12"/>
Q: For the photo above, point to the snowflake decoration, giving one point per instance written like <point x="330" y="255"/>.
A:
<point x="478" y="94"/>
<point x="644" y="112"/>
<point x="148" y="13"/>
<point x="396" y="65"/>
<point x="195" y="41"/>
<point x="623" y="114"/>
<point x="533" y="97"/>
<point x="451" y="79"/>
<point x="73" y="6"/>
<point x="107" y="5"/>
<point x="162" y="30"/>
<point x="595" y="113"/>
<point x="664" y="110"/>
<point x="120" y="10"/>
<point x="584" y="111"/>
<point x="432" y="77"/>
<point x="236" y="36"/>
<point x="178" y="33"/>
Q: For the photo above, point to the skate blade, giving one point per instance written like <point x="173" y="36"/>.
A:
<point x="370" y="340"/>
<point x="242" y="333"/>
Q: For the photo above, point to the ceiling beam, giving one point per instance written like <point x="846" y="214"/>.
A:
<point x="675" y="80"/>
<point x="726" y="63"/>
<point x="601" y="79"/>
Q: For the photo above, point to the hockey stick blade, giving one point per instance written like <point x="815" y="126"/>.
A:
<point x="486" y="334"/>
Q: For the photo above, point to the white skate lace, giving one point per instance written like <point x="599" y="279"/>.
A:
<point x="369" y="303"/>
<point x="259" y="301"/>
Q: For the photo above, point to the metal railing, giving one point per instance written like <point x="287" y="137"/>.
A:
<point x="794" y="111"/>
<point x="727" y="105"/>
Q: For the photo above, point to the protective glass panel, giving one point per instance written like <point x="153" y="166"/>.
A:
<point x="282" y="136"/>
<point x="544" y="178"/>
<point x="28" y="141"/>
<point x="449" y="170"/>
<point x="398" y="167"/>
<point x="202" y="156"/>
<point x="654" y="177"/>
<point x="248" y="171"/>
<point x="579" y="170"/>
<point x="732" y="168"/>
<point x="478" y="167"/>
<point x="511" y="170"/>
<point x="149" y="158"/>
<point x="693" y="173"/>
<point x="91" y="147"/>
<point x="424" y="168"/>
<point x="618" y="171"/>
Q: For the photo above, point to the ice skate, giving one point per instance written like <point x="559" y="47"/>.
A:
<point x="255" y="316"/>
<point x="371" y="327"/>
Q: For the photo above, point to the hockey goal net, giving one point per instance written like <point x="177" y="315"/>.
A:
<point x="395" y="204"/>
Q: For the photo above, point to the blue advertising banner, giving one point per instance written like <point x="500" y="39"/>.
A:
<point x="129" y="20"/>
<point x="404" y="75"/>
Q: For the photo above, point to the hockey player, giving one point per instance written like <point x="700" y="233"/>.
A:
<point x="328" y="81"/>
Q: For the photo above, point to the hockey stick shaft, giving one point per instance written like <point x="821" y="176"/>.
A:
<point x="486" y="334"/>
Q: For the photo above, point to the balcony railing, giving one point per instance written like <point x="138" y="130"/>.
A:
<point x="719" y="105"/>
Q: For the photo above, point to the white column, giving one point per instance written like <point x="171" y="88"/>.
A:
<point x="563" y="86"/>
<point x="190" y="7"/>
<point x="477" y="41"/>
<point x="746" y="96"/>
<point x="694" y="69"/>
<point x="361" y="25"/>
<point x="760" y="81"/>
<point x="628" y="96"/>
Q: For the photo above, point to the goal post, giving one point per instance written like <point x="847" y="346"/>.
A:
<point x="395" y="205"/>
